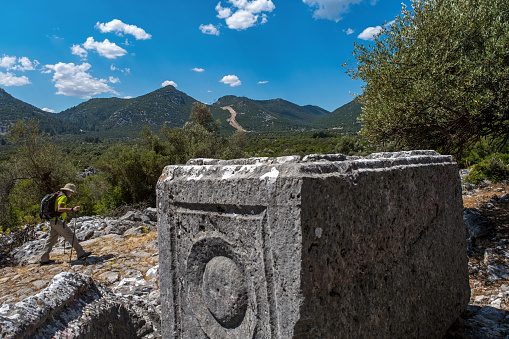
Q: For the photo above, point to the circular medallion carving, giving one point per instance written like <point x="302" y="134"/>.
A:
<point x="224" y="291"/>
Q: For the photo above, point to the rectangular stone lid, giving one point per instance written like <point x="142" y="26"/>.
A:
<point x="314" y="164"/>
<point x="415" y="155"/>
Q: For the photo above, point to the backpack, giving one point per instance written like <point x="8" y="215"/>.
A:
<point x="47" y="208"/>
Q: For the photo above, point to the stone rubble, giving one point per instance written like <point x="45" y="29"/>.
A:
<point x="486" y="217"/>
<point x="126" y="265"/>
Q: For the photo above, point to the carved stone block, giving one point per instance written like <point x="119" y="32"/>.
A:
<point x="325" y="246"/>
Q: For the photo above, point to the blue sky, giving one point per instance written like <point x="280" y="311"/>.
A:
<point x="57" y="54"/>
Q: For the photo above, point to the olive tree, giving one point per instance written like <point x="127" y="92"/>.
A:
<point x="438" y="76"/>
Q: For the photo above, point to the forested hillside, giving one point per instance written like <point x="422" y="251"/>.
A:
<point x="12" y="109"/>
<point x="123" y="118"/>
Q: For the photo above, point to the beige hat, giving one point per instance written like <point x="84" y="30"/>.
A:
<point x="70" y="188"/>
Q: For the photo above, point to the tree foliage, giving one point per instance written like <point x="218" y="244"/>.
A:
<point x="36" y="168"/>
<point x="438" y="77"/>
<point x="200" y="115"/>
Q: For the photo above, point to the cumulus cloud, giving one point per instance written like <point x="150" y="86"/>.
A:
<point x="49" y="110"/>
<point x="349" y="31"/>
<point x="209" y="29"/>
<point x="223" y="13"/>
<point x="241" y="20"/>
<point x="79" y="51"/>
<point x="25" y="64"/>
<point x="74" y="80"/>
<point x="18" y="64"/>
<point x="168" y="82"/>
<point x="199" y="70"/>
<point x="243" y="14"/>
<point x="263" y="82"/>
<point x="231" y="80"/>
<point x="7" y="62"/>
<point x="330" y="9"/>
<point x="106" y="48"/>
<point x="120" y="28"/>
<point x="369" y="33"/>
<point x="114" y="80"/>
<point x="127" y="97"/>
<point x="9" y="79"/>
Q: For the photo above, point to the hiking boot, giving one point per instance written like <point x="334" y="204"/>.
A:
<point x="42" y="263"/>
<point x="84" y="255"/>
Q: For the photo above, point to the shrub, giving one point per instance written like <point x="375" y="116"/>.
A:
<point x="493" y="168"/>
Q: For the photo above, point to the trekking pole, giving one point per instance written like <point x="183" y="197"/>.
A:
<point x="74" y="236"/>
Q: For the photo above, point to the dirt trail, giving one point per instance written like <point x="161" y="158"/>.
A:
<point x="232" y="120"/>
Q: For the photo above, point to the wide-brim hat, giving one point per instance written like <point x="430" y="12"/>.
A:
<point x="69" y="188"/>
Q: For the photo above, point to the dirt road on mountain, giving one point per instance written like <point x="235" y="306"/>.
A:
<point x="232" y="120"/>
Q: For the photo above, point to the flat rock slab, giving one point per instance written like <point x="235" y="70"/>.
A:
<point x="325" y="246"/>
<point x="76" y="306"/>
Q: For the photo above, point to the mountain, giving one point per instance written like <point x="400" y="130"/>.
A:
<point x="115" y="117"/>
<point x="345" y="118"/>
<point x="165" y="105"/>
<point x="12" y="109"/>
<point x="264" y="115"/>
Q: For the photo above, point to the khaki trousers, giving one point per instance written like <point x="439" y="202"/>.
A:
<point x="60" y="228"/>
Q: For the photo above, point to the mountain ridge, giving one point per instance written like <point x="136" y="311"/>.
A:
<point x="167" y="105"/>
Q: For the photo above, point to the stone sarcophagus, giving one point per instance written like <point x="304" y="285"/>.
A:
<point x="325" y="246"/>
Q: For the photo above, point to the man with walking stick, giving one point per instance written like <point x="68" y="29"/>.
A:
<point x="59" y="227"/>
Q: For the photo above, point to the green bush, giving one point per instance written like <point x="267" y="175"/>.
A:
<point x="493" y="168"/>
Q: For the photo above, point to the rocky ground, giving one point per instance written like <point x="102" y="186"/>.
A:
<point x="125" y="259"/>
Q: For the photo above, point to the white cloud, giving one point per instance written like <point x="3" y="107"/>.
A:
<point x="79" y="51"/>
<point x="73" y="80"/>
<point x="209" y="29"/>
<point x="26" y="65"/>
<point x="223" y="13"/>
<point x="369" y="33"/>
<point x="18" y="64"/>
<point x="390" y="23"/>
<point x="241" y="19"/>
<point x="106" y="48"/>
<point x="125" y="70"/>
<point x="7" y="62"/>
<point x="168" y="82"/>
<point x="119" y="27"/>
<point x="349" y="31"/>
<point x="199" y="70"/>
<point x="127" y="97"/>
<point x="330" y="9"/>
<point x="114" y="80"/>
<point x="231" y="80"/>
<point x="244" y="14"/>
<point x="263" y="82"/>
<point x="48" y="110"/>
<point x="256" y="6"/>
<point x="9" y="79"/>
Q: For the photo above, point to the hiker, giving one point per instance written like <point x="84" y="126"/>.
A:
<point x="59" y="227"/>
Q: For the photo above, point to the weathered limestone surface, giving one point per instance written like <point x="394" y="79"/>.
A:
<point x="76" y="306"/>
<point x="319" y="247"/>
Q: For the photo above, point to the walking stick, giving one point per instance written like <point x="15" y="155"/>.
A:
<point x="74" y="236"/>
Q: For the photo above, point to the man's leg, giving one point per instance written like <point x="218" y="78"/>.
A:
<point x="68" y="235"/>
<point x="51" y="240"/>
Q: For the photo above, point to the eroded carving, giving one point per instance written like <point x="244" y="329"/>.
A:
<point x="224" y="291"/>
